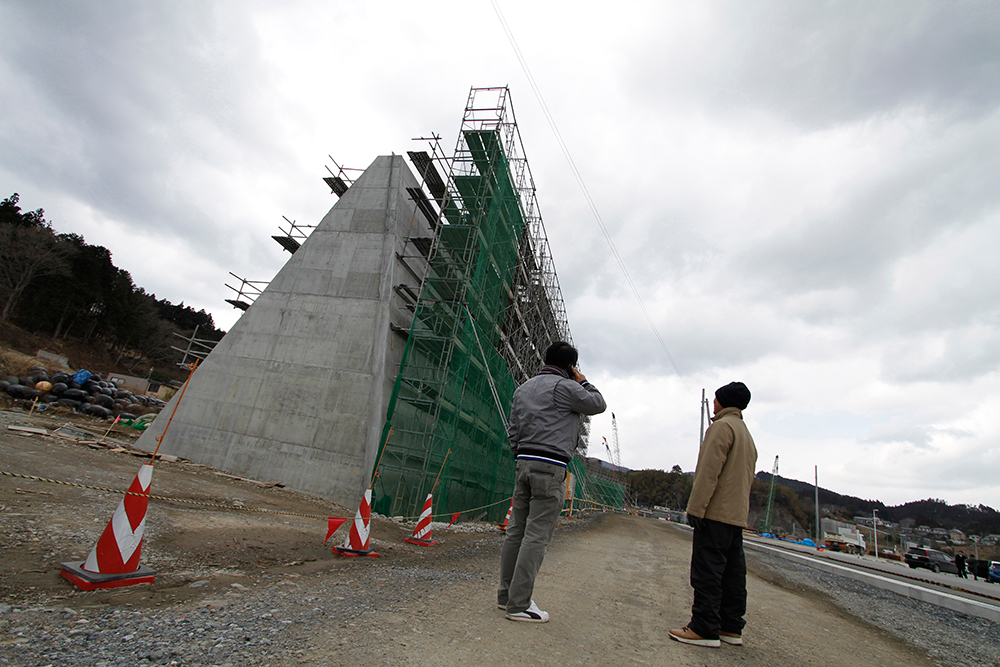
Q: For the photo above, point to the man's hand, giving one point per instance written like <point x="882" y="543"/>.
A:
<point x="695" y="522"/>
<point x="577" y="375"/>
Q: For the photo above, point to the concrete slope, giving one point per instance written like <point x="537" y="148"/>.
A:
<point x="297" y="390"/>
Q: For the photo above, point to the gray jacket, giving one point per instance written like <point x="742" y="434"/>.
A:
<point x="545" y="415"/>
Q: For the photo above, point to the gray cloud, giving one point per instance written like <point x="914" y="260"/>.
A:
<point x="819" y="63"/>
<point x="137" y="100"/>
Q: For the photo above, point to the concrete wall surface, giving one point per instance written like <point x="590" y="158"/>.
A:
<point x="297" y="390"/>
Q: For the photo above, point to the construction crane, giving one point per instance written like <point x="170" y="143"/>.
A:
<point x="615" y="456"/>
<point x="770" y="497"/>
<point x="617" y="460"/>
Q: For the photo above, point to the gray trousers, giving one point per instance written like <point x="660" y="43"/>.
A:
<point x="539" y="491"/>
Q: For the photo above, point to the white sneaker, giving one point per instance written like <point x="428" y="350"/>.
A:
<point x="530" y="615"/>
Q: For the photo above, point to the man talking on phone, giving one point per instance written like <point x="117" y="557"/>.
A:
<point x="543" y="431"/>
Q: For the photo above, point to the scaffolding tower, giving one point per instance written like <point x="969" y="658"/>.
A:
<point x="488" y="307"/>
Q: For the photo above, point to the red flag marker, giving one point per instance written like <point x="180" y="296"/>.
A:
<point x="335" y="523"/>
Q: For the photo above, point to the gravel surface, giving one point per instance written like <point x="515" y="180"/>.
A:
<point x="950" y="638"/>
<point x="238" y="625"/>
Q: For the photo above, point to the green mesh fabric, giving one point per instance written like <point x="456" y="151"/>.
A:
<point x="446" y="416"/>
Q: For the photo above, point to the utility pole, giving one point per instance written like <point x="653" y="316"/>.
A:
<point x="875" y="530"/>
<point x="818" y="534"/>
<point x="770" y="497"/>
<point x="701" y="432"/>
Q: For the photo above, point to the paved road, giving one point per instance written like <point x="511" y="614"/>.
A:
<point x="968" y="596"/>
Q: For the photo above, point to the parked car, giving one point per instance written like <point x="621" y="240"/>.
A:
<point x="995" y="571"/>
<point x="932" y="559"/>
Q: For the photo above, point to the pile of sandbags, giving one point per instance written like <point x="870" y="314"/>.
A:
<point x="81" y="391"/>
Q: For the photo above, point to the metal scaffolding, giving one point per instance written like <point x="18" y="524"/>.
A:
<point x="488" y="307"/>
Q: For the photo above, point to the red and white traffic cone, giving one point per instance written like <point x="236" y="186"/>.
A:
<point x="506" y="519"/>
<point x="422" y="532"/>
<point x="114" y="560"/>
<point x="360" y="533"/>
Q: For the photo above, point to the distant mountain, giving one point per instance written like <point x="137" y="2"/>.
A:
<point x="970" y="519"/>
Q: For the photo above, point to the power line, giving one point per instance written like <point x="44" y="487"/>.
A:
<point x="580" y="182"/>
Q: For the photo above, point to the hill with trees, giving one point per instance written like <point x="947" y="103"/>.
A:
<point x="794" y="505"/>
<point x="58" y="287"/>
<point x="935" y="513"/>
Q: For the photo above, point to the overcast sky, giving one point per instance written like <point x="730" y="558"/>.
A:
<point x="805" y="194"/>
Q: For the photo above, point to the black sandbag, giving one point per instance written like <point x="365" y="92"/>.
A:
<point x="75" y="394"/>
<point x="58" y="388"/>
<point x="97" y="411"/>
<point x="104" y="401"/>
<point x="16" y="390"/>
<point x="69" y="403"/>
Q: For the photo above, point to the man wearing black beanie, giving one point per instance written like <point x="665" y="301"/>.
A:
<point x="717" y="509"/>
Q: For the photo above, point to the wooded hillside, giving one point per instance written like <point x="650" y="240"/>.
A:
<point x="59" y="287"/>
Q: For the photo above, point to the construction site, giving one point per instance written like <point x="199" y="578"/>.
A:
<point x="385" y="352"/>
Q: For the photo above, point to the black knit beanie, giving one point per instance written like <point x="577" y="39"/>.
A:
<point x="733" y="395"/>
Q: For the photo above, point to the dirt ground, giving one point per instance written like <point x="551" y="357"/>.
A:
<point x="613" y="588"/>
<point x="612" y="584"/>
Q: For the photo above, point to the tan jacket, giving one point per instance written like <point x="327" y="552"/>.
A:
<point x="726" y="463"/>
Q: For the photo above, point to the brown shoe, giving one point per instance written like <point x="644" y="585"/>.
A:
<point x="686" y="636"/>
<point x="731" y="638"/>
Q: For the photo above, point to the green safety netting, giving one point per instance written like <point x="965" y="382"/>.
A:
<point x="446" y="416"/>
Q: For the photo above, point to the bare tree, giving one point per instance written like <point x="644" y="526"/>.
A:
<point x="27" y="253"/>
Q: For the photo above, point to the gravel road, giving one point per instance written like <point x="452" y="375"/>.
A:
<point x="239" y="589"/>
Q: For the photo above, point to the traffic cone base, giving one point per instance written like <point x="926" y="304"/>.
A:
<point x="420" y="542"/>
<point x="88" y="581"/>
<point x="346" y="551"/>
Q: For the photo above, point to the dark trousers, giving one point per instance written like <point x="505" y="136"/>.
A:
<point x="719" y="579"/>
